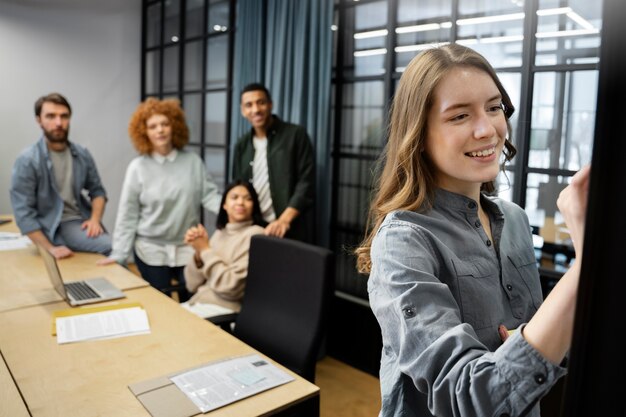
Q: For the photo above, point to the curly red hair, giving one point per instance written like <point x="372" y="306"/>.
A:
<point x="171" y="109"/>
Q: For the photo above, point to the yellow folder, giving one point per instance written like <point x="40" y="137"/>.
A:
<point x="76" y="311"/>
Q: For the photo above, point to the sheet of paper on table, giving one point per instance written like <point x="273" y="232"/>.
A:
<point x="206" y="310"/>
<point x="102" y="325"/>
<point x="13" y="241"/>
<point x="220" y="383"/>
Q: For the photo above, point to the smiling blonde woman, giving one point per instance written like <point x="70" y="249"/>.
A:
<point x="452" y="268"/>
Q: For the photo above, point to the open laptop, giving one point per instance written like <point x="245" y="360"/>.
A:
<point x="81" y="292"/>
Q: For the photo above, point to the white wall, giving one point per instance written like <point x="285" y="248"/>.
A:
<point x="89" y="51"/>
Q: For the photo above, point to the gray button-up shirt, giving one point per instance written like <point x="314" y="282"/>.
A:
<point x="37" y="204"/>
<point x="439" y="288"/>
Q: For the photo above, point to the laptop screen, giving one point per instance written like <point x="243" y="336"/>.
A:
<point x="53" y="272"/>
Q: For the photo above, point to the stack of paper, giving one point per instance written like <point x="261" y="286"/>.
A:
<point x="102" y="322"/>
<point x="12" y="241"/>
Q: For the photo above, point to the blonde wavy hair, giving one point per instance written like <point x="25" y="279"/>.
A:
<point x="407" y="181"/>
<point x="170" y="108"/>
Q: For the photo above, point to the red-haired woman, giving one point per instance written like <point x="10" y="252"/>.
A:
<point x="163" y="191"/>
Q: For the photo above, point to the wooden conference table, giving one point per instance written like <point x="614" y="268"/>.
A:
<point x="39" y="377"/>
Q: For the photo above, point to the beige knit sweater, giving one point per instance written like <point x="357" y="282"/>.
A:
<point x="222" y="278"/>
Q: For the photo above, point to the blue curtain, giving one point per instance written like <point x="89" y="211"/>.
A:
<point x="248" y="61"/>
<point x="287" y="45"/>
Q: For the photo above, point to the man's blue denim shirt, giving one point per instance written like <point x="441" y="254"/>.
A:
<point x="36" y="202"/>
<point x="439" y="288"/>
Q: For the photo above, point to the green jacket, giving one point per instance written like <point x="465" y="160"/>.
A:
<point x="291" y="170"/>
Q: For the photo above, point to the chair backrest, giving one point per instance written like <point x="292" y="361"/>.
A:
<point x="286" y="301"/>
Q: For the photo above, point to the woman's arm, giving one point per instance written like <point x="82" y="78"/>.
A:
<point x="550" y="330"/>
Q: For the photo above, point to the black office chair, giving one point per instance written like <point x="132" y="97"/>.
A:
<point x="286" y="301"/>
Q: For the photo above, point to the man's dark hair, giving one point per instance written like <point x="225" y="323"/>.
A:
<point x="256" y="87"/>
<point x="55" y="98"/>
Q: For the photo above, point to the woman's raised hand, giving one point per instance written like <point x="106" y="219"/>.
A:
<point x="572" y="203"/>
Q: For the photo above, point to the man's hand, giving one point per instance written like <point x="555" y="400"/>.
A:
<point x="60" y="252"/>
<point x="94" y="228"/>
<point x="277" y="228"/>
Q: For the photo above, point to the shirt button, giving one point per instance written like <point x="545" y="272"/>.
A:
<point x="477" y="223"/>
<point x="471" y="205"/>
<point x="540" y="379"/>
<point x="488" y="242"/>
<point x="509" y="287"/>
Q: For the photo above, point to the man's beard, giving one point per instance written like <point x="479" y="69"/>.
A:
<point x="56" y="135"/>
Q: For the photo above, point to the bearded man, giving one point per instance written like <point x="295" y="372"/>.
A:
<point x="48" y="185"/>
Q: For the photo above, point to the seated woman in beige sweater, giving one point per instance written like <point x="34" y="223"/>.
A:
<point x="217" y="272"/>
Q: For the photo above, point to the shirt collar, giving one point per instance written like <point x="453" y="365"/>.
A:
<point x="170" y="157"/>
<point x="458" y="202"/>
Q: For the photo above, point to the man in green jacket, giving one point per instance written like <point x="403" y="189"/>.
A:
<point x="277" y="158"/>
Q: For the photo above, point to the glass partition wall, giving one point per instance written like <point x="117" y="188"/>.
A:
<point x="545" y="53"/>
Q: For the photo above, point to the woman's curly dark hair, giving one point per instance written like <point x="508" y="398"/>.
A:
<point x="171" y="109"/>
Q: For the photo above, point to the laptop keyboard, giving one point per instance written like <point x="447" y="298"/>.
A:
<point x="80" y="290"/>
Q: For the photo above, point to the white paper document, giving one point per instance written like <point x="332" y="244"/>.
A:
<point x="102" y="325"/>
<point x="206" y="310"/>
<point x="12" y="241"/>
<point x="221" y="383"/>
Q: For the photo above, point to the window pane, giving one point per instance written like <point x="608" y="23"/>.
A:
<point x="153" y="72"/>
<point x="172" y="21"/>
<point x="193" y="18"/>
<point x="414" y="11"/>
<point x="512" y="82"/>
<point x="421" y="24"/>
<point x="497" y="33"/>
<point x="215" y="119"/>
<point x="334" y="29"/>
<point x="504" y="184"/>
<point x="365" y="46"/>
<point x="217" y="20"/>
<point x="348" y="280"/>
<point x="193" y="65"/>
<point x="541" y="194"/>
<point x="215" y="162"/>
<point x="192" y="103"/>
<point x="568" y="32"/>
<point x="362" y="118"/>
<point x="563" y="119"/>
<point x="355" y="181"/>
<point x="153" y="25"/>
<point x="217" y="61"/>
<point x="170" y="68"/>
